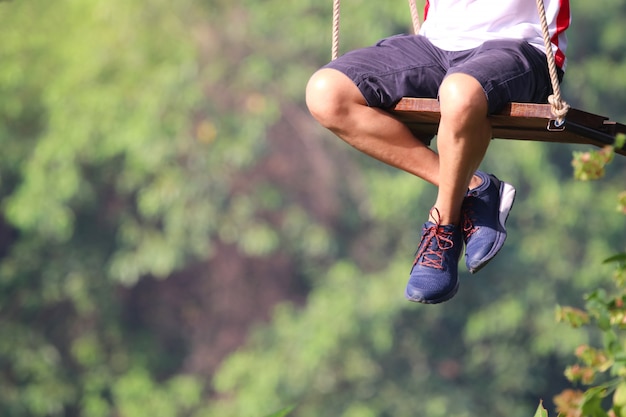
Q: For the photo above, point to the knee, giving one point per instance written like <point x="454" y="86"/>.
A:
<point x="329" y="94"/>
<point x="462" y="96"/>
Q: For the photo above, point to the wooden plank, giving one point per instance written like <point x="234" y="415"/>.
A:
<point x="522" y="121"/>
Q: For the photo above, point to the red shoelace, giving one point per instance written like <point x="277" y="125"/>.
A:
<point x="431" y="253"/>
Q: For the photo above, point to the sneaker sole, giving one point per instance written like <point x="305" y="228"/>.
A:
<point x="507" y="198"/>
<point x="441" y="299"/>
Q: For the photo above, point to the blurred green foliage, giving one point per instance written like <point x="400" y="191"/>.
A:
<point x="165" y="197"/>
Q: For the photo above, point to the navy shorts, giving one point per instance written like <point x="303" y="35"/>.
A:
<point x="411" y="66"/>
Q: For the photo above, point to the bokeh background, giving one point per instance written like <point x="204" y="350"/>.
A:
<point x="178" y="237"/>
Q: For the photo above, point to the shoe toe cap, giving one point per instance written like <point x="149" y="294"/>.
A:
<point x="430" y="291"/>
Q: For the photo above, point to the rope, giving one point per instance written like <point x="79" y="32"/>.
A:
<point x="335" y="46"/>
<point x="559" y="107"/>
<point x="415" y="17"/>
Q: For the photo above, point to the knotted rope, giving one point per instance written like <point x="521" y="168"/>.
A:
<point x="559" y="106"/>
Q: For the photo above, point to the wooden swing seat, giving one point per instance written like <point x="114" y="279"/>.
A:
<point x="523" y="121"/>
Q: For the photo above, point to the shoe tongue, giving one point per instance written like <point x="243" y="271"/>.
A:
<point x="447" y="228"/>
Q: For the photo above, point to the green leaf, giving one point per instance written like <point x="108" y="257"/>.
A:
<point x="541" y="412"/>
<point x="620" y="141"/>
<point x="592" y="401"/>
<point x="619" y="396"/>
<point x="573" y="316"/>
<point x="620" y="257"/>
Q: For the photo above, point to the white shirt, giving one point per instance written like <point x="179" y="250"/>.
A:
<point x="456" y="25"/>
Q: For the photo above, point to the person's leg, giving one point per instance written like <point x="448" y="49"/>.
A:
<point x="493" y="75"/>
<point x="337" y="104"/>
<point x="509" y="71"/>
<point x="349" y="95"/>
<point x="463" y="137"/>
<point x="462" y="140"/>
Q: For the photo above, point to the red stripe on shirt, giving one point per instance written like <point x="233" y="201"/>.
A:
<point x="562" y="23"/>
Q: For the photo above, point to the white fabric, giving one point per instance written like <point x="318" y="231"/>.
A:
<point x="457" y="25"/>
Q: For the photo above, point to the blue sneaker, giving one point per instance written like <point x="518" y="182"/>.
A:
<point x="485" y="210"/>
<point x="434" y="276"/>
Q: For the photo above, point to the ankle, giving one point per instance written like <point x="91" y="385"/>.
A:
<point x="443" y="218"/>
